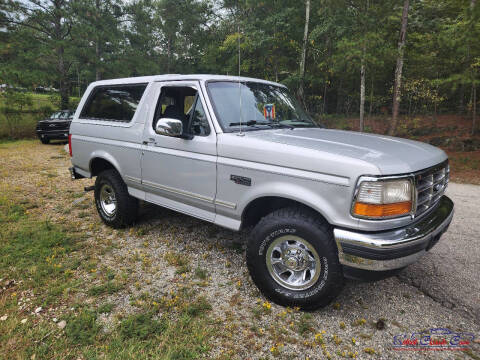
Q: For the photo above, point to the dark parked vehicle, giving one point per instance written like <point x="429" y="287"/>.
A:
<point x="56" y="127"/>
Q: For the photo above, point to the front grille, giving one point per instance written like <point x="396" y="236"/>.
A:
<point x="57" y="125"/>
<point x="430" y="185"/>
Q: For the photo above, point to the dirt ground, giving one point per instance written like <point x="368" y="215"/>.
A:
<point x="167" y="252"/>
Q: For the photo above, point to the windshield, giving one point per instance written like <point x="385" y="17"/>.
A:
<point x="65" y="115"/>
<point x="56" y="115"/>
<point x="263" y="106"/>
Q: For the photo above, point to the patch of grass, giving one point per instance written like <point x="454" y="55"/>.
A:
<point x="10" y="211"/>
<point x="78" y="195"/>
<point x="183" y="269"/>
<point x="110" y="287"/>
<point x="141" y="327"/>
<point x="257" y="312"/>
<point x="83" y="214"/>
<point x="49" y="262"/>
<point x="83" y="328"/>
<point x="201" y="273"/>
<point x="61" y="287"/>
<point x="110" y="274"/>
<point x="31" y="249"/>
<point x="105" y="308"/>
<point x="305" y="325"/>
<point x="176" y="258"/>
<point x="359" y="322"/>
<point x="198" y="307"/>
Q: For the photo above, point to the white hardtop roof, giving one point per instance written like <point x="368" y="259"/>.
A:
<point x="174" y="77"/>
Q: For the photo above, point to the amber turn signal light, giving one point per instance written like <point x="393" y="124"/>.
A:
<point x="382" y="210"/>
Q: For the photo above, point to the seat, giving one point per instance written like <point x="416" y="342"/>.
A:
<point x="172" y="112"/>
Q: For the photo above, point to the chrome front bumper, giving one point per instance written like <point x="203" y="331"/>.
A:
<point x="394" y="249"/>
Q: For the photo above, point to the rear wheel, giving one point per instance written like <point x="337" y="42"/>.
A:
<point x="114" y="205"/>
<point x="293" y="260"/>
<point x="45" y="140"/>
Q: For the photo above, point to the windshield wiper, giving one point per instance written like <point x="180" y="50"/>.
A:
<point x="284" y="126"/>
<point x="265" y="123"/>
<point x="248" y="123"/>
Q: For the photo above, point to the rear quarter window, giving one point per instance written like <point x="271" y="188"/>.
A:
<point x="113" y="103"/>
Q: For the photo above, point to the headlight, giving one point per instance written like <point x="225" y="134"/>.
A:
<point x="377" y="199"/>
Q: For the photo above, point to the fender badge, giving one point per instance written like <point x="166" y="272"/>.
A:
<point x="241" y="180"/>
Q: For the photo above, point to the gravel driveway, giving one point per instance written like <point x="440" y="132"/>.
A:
<point x="449" y="274"/>
<point x="440" y="291"/>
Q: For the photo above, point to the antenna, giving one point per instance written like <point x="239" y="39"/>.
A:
<point x="240" y="133"/>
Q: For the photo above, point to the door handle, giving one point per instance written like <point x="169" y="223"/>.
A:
<point x="149" y="141"/>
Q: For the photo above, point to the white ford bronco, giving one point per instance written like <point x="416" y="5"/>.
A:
<point x="241" y="153"/>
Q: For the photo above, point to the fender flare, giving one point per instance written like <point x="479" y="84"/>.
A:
<point x="297" y="193"/>
<point x="101" y="154"/>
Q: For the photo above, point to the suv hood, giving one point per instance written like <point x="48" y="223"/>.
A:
<point x="56" y="120"/>
<point x="389" y="155"/>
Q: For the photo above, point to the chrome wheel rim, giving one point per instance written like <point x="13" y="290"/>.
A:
<point x="108" y="201"/>
<point x="293" y="262"/>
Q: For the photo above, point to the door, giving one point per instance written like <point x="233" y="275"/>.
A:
<point x="180" y="173"/>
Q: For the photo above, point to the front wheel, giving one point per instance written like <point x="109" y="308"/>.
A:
<point x="114" y="205"/>
<point x="292" y="258"/>
<point x="45" y="140"/>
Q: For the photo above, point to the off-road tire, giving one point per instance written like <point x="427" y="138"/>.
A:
<point x="127" y="206"/>
<point x="315" y="230"/>
<point x="45" y="140"/>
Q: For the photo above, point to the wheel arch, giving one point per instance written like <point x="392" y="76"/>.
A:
<point x="102" y="161"/>
<point x="261" y="206"/>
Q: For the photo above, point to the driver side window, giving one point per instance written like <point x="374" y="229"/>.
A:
<point x="182" y="103"/>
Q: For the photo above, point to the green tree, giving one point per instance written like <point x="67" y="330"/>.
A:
<point x="183" y="29"/>
<point x="350" y="44"/>
<point x="50" y="23"/>
<point x="399" y="68"/>
<point x="303" y="56"/>
<point x="97" y="35"/>
<point x="462" y="37"/>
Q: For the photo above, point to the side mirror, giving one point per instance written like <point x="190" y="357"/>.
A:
<point x="169" y="127"/>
